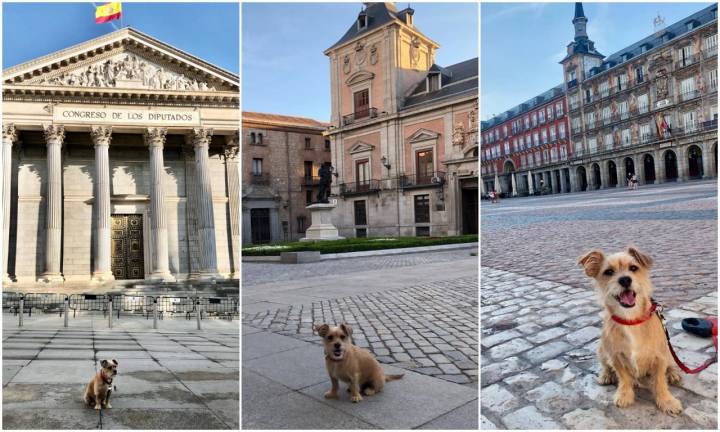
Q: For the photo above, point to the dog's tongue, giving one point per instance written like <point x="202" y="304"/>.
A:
<point x="628" y="297"/>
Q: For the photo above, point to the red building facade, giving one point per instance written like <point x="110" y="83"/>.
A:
<point x="524" y="148"/>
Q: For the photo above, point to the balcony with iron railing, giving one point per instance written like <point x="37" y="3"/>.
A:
<point x="689" y="95"/>
<point x="260" y="179"/>
<point x="364" y="114"/>
<point x="710" y="52"/>
<point x="687" y="61"/>
<point x="572" y="83"/>
<point x="431" y="179"/>
<point x="360" y="188"/>
<point x="574" y="106"/>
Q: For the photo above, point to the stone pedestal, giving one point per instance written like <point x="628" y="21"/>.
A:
<point x="321" y="227"/>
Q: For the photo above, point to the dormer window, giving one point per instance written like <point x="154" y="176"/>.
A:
<point x="433" y="82"/>
<point x="362" y="21"/>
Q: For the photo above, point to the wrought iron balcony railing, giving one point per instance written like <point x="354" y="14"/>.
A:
<point x="431" y="179"/>
<point x="687" y="61"/>
<point x="688" y="95"/>
<point x="710" y="52"/>
<point x="360" y="188"/>
<point x="368" y="113"/>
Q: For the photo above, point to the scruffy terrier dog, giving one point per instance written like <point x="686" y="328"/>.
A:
<point x="100" y="386"/>
<point x="629" y="353"/>
<point x="350" y="364"/>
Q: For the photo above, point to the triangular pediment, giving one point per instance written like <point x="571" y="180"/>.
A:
<point x="360" y="147"/>
<point x="423" y="135"/>
<point x="124" y="59"/>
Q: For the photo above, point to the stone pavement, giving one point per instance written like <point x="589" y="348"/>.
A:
<point x="175" y="377"/>
<point x="540" y="317"/>
<point x="417" y="313"/>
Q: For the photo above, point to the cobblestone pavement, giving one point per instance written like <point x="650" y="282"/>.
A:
<point x="174" y="378"/>
<point x="260" y="273"/>
<point x="540" y="317"/>
<point x="429" y="328"/>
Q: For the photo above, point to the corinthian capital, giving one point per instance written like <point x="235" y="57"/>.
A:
<point x="231" y="151"/>
<point x="202" y="136"/>
<point x="155" y="137"/>
<point x="9" y="133"/>
<point x="54" y="134"/>
<point x="101" y="135"/>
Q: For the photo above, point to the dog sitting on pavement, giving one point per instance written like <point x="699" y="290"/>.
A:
<point x="98" y="390"/>
<point x="350" y="364"/>
<point x="633" y="344"/>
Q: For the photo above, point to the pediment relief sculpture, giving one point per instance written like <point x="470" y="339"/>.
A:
<point x="126" y="70"/>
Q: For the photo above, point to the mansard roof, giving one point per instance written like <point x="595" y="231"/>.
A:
<point x="457" y="80"/>
<point x="110" y="66"/>
<point x="529" y="105"/>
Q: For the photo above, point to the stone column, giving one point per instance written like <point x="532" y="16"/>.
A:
<point x="206" y="218"/>
<point x="155" y="140"/>
<point x="9" y="137"/>
<point x="551" y="181"/>
<point x="232" y="166"/>
<point x="659" y="167"/>
<point x="54" y="136"/>
<point x="706" y="160"/>
<point x="548" y="180"/>
<point x="573" y="178"/>
<point x="682" y="164"/>
<point x="604" y="175"/>
<point x="101" y="136"/>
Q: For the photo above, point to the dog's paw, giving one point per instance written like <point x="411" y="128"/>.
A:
<point x="624" y="399"/>
<point x="331" y="395"/>
<point x="356" y="398"/>
<point x="369" y="391"/>
<point x="670" y="406"/>
<point x="674" y="378"/>
<point x="108" y="405"/>
<point x="97" y="407"/>
<point x="607" y="378"/>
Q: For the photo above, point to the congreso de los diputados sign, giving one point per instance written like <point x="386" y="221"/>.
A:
<point x="119" y="162"/>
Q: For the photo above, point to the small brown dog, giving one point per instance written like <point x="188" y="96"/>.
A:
<point x="350" y="364"/>
<point x="100" y="387"/>
<point x="629" y="353"/>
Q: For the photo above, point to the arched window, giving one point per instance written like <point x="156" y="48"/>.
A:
<point x="252" y="137"/>
<point x="260" y="138"/>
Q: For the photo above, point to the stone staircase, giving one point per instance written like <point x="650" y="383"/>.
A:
<point x="183" y="288"/>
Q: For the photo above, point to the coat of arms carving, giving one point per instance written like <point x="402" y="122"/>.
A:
<point x="458" y="135"/>
<point x="373" y="54"/>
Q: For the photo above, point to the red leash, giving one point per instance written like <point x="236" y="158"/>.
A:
<point x="653" y="310"/>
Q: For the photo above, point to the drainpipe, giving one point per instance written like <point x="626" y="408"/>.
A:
<point x="289" y="187"/>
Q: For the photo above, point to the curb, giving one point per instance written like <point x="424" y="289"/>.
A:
<point x="379" y="252"/>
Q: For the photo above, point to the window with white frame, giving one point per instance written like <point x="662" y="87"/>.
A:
<point x="625" y="137"/>
<point x="550" y="112"/>
<point x="563" y="152"/>
<point x="606" y="115"/>
<point x="561" y="130"/>
<point x="592" y="145"/>
<point x="523" y="161"/>
<point x="685" y="55"/>
<point x="559" y="109"/>
<point x="622" y="82"/>
<point x="712" y="79"/>
<point x="536" y="139"/>
<point x="527" y="122"/>
<point x="546" y="158"/>
<point x="711" y="42"/>
<point x="541" y="116"/>
<point x="576" y="124"/>
<point x="590" y="118"/>
<point x="645" y="132"/>
<point x="544" y="136"/>
<point x="507" y="148"/>
<point x="574" y="100"/>
<point x="528" y="141"/>
<point x="689" y="121"/>
<point x="687" y="88"/>
<point x="505" y="131"/>
<point x="608" y="141"/>
<point x="553" y="135"/>
<point x="604" y="89"/>
<point x="534" y="119"/>
<point x="553" y="154"/>
<point x="579" y="148"/>
<point x="642" y="103"/>
<point x="538" y="158"/>
<point x="623" y="109"/>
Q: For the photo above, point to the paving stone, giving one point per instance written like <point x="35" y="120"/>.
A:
<point x="486" y="424"/>
<point x="552" y="398"/>
<point x="547" y="351"/>
<point x="510" y="348"/>
<point x="547" y="335"/>
<point x="589" y="419"/>
<point x="529" y="418"/>
<point x="497" y="400"/>
<point x="583" y="335"/>
<point x="553" y="365"/>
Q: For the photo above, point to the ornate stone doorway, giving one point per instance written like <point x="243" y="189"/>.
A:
<point x="128" y="261"/>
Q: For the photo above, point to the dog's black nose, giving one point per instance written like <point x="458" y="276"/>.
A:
<point x="337" y="345"/>
<point x="625" y="281"/>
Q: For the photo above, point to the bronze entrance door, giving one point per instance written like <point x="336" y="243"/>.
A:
<point x="127" y="246"/>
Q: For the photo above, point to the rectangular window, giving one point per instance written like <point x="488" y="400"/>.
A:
<point x="689" y="121"/>
<point x="534" y="119"/>
<point x="422" y="208"/>
<point x="642" y="102"/>
<point x="608" y="141"/>
<point x="362" y="172"/>
<point x="362" y="103"/>
<point x="623" y="110"/>
<point x="544" y="136"/>
<point x="687" y="88"/>
<point x="592" y="145"/>
<point x="550" y="113"/>
<point x="434" y="82"/>
<point x="591" y="119"/>
<point x="536" y="139"/>
<point x="301" y="224"/>
<point x="622" y="82"/>
<point x="563" y="153"/>
<point x="541" y="116"/>
<point x="604" y="89"/>
<point x="257" y="166"/>
<point x="507" y="148"/>
<point x="562" y="130"/>
<point x="527" y="123"/>
<point x="308" y="144"/>
<point x="327" y="145"/>
<point x="360" y="212"/>
<point x="308" y="169"/>
<point x="685" y="55"/>
<point x="625" y="136"/>
<point x="645" y="132"/>
<point x="361" y="232"/>
<point x="606" y="115"/>
<point x="579" y="148"/>
<point x="711" y="42"/>
<point x="559" y="109"/>
<point x="424" y="165"/>
<point x="639" y="77"/>
<point x="712" y="79"/>
<point x="553" y="135"/>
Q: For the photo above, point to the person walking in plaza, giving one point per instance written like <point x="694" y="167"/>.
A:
<point x="629" y="180"/>
<point x="634" y="181"/>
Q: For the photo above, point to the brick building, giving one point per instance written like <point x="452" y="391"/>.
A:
<point x="649" y="109"/>
<point x="281" y="156"/>
<point x="403" y="131"/>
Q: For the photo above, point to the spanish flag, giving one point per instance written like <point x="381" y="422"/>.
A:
<point x="108" y="12"/>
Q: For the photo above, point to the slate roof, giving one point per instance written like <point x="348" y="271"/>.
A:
<point x="524" y="107"/>
<point x="457" y="79"/>
<point x="655" y="40"/>
<point x="283" y="120"/>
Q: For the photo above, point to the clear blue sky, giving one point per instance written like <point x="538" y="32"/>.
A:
<point x="285" y="70"/>
<point x="522" y="43"/>
<point x="210" y="31"/>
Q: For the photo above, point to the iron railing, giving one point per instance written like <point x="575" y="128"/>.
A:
<point x="431" y="179"/>
<point x="360" y="188"/>
<point x="687" y="61"/>
<point x="363" y="114"/>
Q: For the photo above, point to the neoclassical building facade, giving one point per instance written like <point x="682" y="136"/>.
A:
<point x="650" y="109"/>
<point x="404" y="131"/>
<point x="120" y="163"/>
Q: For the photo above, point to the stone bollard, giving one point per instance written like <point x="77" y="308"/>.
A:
<point x="21" y="307"/>
<point x="155" y="313"/>
<point x="110" y="311"/>
<point x="197" y="313"/>
<point x="67" y="307"/>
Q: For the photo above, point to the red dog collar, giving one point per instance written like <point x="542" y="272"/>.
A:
<point x="647" y="316"/>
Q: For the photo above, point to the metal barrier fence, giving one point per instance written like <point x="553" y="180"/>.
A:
<point x="121" y="305"/>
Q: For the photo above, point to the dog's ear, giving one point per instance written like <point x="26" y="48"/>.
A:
<point x="104" y="363"/>
<point x="116" y="362"/>
<point x="346" y="328"/>
<point x="322" y="329"/>
<point x="640" y="257"/>
<point x="592" y="261"/>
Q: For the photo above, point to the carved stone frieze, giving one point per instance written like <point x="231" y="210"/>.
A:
<point x="458" y="135"/>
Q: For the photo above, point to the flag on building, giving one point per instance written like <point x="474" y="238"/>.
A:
<point x="108" y="12"/>
<point x="662" y="126"/>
